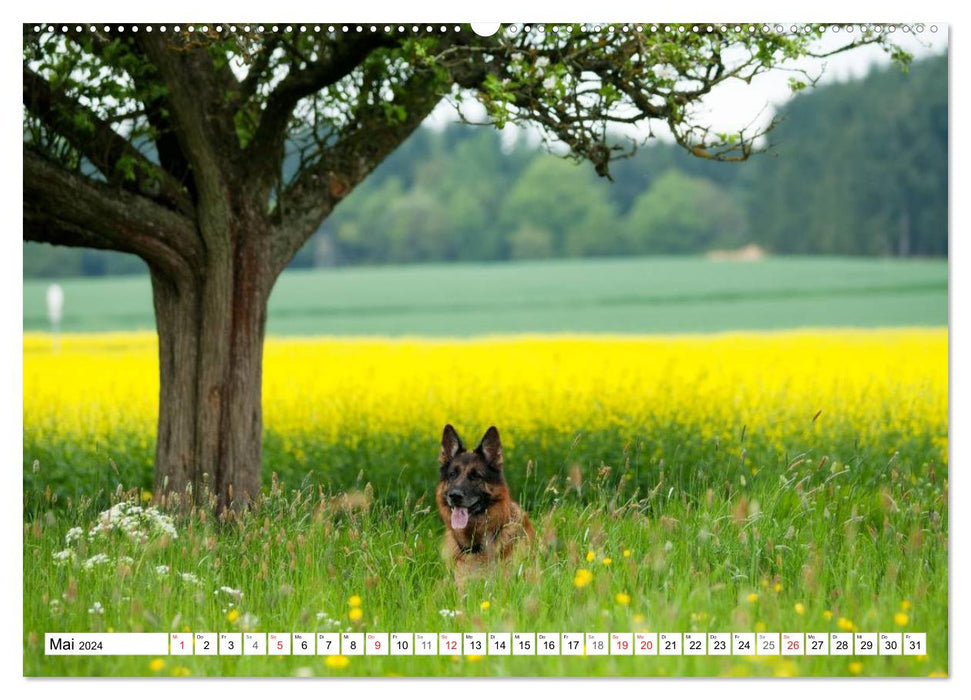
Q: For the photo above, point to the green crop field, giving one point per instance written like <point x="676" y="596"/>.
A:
<point x="645" y="295"/>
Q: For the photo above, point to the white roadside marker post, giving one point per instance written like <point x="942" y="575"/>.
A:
<point x="55" y="309"/>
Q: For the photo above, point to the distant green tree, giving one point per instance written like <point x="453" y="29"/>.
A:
<point x="858" y="168"/>
<point x="635" y="175"/>
<point x="684" y="214"/>
<point x="419" y="228"/>
<point x="568" y="202"/>
<point x="530" y="241"/>
<point x="49" y="261"/>
<point x="473" y="184"/>
<point x="462" y="167"/>
<point x="361" y="235"/>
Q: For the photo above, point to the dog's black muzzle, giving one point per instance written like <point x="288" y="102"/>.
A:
<point x="456" y="498"/>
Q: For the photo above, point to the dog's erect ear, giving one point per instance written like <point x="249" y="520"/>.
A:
<point x="490" y="448"/>
<point x="451" y="445"/>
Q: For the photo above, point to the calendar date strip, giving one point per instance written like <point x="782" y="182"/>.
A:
<point x="486" y="644"/>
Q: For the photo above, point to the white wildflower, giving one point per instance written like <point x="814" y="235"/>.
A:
<point x="325" y="619"/>
<point x="63" y="557"/>
<point x="96" y="609"/>
<point x="73" y="535"/>
<point x="125" y="559"/>
<point x="139" y="524"/>
<point x="516" y="56"/>
<point x="161" y="569"/>
<point x="549" y="83"/>
<point x="542" y="62"/>
<point x="449" y="613"/>
<point x="188" y="577"/>
<point x="56" y="606"/>
<point x="668" y="546"/>
<point x="231" y="592"/>
<point x="100" y="558"/>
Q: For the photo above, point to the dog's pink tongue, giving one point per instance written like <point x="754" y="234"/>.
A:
<point x="460" y="518"/>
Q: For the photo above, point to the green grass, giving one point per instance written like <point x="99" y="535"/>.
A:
<point x="855" y="536"/>
<point x="402" y="466"/>
<point x="647" y="295"/>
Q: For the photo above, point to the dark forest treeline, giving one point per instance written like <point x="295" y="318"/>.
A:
<point x="856" y="168"/>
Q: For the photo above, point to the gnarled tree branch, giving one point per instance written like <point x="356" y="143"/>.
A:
<point x="319" y="188"/>
<point x="343" y="56"/>
<point x="65" y="208"/>
<point x="94" y="138"/>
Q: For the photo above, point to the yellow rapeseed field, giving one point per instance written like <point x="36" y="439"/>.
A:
<point x="872" y="382"/>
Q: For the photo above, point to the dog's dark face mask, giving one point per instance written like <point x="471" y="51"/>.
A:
<point x="471" y="479"/>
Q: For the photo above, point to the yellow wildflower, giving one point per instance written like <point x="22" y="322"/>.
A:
<point x="338" y="661"/>
<point x="607" y="561"/>
<point x="582" y="578"/>
<point x="485" y="605"/>
<point x="354" y="601"/>
<point x="622" y="598"/>
<point x="753" y="597"/>
<point x="855" y="667"/>
<point x="590" y="555"/>
<point x="799" y="608"/>
<point x="156" y="665"/>
<point x="355" y="614"/>
<point x="232" y="615"/>
<point x="901" y="619"/>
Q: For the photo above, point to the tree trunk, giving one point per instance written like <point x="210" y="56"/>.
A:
<point x="210" y="332"/>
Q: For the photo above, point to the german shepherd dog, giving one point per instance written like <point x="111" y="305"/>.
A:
<point x="482" y="522"/>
